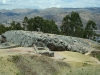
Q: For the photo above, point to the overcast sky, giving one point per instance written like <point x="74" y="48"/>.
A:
<point x="38" y="4"/>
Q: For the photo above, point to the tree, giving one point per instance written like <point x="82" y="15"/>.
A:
<point x="72" y="25"/>
<point x="25" y="23"/>
<point x="53" y="27"/>
<point x="2" y="29"/>
<point x="47" y="26"/>
<point x="66" y="26"/>
<point x="38" y="23"/>
<point x="18" y="26"/>
<point x="31" y="26"/>
<point x="15" y="26"/>
<point x="89" y="29"/>
<point x="34" y="23"/>
<point x="76" y="24"/>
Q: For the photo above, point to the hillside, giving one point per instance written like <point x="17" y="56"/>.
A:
<point x="23" y="61"/>
<point x="51" y="13"/>
<point x="13" y="63"/>
<point x="72" y="55"/>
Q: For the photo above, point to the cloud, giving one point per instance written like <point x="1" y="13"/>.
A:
<point x="11" y="4"/>
<point x="4" y="1"/>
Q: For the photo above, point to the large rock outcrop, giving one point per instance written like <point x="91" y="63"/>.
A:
<point x="53" y="41"/>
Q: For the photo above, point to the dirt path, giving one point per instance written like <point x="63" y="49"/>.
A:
<point x="18" y="50"/>
<point x="66" y="56"/>
<point x="96" y="60"/>
<point x="93" y="58"/>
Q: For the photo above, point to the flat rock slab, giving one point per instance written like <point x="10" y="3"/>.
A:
<point x="10" y="46"/>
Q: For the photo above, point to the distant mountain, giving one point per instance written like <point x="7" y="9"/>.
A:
<point x="57" y="14"/>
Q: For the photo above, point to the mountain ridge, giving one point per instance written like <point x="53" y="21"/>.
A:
<point x="56" y="14"/>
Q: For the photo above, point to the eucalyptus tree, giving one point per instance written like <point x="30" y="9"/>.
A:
<point x="25" y="23"/>
<point x="72" y="25"/>
<point x="89" y="31"/>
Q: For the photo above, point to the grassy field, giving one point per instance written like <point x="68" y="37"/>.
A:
<point x="87" y="70"/>
<point x="22" y="63"/>
<point x="81" y="64"/>
<point x="19" y="61"/>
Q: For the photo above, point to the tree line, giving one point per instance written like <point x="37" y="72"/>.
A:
<point x="32" y="24"/>
<point x="71" y="26"/>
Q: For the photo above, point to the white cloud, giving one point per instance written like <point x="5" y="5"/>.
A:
<point x="4" y="1"/>
<point x="10" y="4"/>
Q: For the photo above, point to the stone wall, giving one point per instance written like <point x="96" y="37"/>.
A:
<point x="53" y="41"/>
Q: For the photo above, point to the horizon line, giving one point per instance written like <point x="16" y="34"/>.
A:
<point x="52" y="7"/>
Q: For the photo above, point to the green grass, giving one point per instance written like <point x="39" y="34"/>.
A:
<point x="96" y="54"/>
<point x="7" y="67"/>
<point x="98" y="57"/>
<point x="90" y="70"/>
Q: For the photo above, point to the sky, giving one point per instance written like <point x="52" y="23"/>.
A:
<point x="42" y="4"/>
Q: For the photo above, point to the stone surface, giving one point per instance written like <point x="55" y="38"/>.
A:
<point x="53" y="41"/>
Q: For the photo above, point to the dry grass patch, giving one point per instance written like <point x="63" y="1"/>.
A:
<point x="39" y="65"/>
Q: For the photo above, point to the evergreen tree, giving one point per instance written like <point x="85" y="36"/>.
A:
<point x="72" y="25"/>
<point x="76" y="25"/>
<point x="38" y="23"/>
<point x="34" y="23"/>
<point x="2" y="29"/>
<point x="25" y="23"/>
<point x="89" y="31"/>
<point x="15" y="26"/>
<point x="47" y="26"/>
<point x="66" y="26"/>
<point x="31" y="26"/>
<point x="18" y="26"/>
<point x="54" y="27"/>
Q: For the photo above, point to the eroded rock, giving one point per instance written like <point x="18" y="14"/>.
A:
<point x="53" y="41"/>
